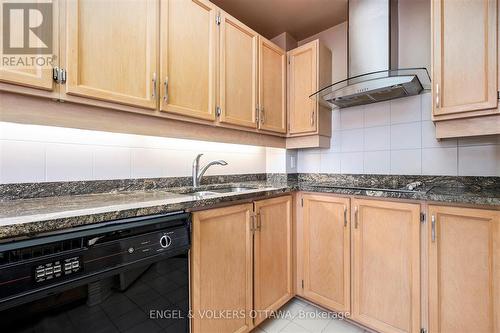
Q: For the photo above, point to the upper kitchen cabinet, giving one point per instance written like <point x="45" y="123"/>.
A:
<point x="188" y="58"/>
<point x="40" y="50"/>
<point x="238" y="73"/>
<point x="309" y="67"/>
<point x="110" y="51"/>
<point x="272" y="87"/>
<point x="465" y="72"/>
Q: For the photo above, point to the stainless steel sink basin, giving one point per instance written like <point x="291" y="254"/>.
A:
<point x="232" y="189"/>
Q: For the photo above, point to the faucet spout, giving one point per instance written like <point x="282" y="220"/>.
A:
<point x="198" y="174"/>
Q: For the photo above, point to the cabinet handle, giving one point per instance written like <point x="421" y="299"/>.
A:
<point x="345" y="216"/>
<point x="433" y="228"/>
<point x="252" y="222"/>
<point x="165" y="85"/>
<point x="257" y="217"/>
<point x="312" y="118"/>
<point x="262" y="116"/>
<point x="154" y="86"/>
<point x="437" y="95"/>
<point x="356" y="217"/>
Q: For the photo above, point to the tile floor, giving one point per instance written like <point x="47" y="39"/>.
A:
<point x="302" y="317"/>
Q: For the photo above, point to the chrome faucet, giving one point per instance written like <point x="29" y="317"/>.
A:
<point x="198" y="174"/>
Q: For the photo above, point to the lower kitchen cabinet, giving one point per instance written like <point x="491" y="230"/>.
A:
<point x="272" y="255"/>
<point x="326" y="251"/>
<point x="386" y="265"/>
<point x="464" y="270"/>
<point x="221" y="269"/>
<point x="241" y="260"/>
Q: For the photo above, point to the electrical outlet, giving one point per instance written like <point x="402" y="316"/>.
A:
<point x="292" y="162"/>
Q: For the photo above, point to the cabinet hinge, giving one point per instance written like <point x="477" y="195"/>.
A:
<point x="302" y="284"/>
<point x="217" y="19"/>
<point x="423" y="330"/>
<point x="59" y="75"/>
<point x="422" y="217"/>
<point x="218" y="111"/>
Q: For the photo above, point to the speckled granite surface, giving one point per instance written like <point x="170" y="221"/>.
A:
<point x="46" y="207"/>
<point x="464" y="190"/>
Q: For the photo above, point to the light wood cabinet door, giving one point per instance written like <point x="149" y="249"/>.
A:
<point x="326" y="251"/>
<point x="302" y="82"/>
<point x="221" y="267"/>
<point x="464" y="56"/>
<point x="272" y="87"/>
<point x="111" y="51"/>
<point x="30" y="74"/>
<point x="188" y="62"/>
<point x="386" y="265"/>
<point x="272" y="255"/>
<point x="464" y="270"/>
<point x="238" y="73"/>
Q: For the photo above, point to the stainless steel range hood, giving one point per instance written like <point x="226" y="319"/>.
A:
<point x="374" y="75"/>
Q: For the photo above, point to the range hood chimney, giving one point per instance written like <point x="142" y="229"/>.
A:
<point x="374" y="75"/>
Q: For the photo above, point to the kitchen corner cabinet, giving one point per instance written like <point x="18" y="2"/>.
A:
<point x="464" y="68"/>
<point x="238" y="73"/>
<point x="110" y="51"/>
<point x="464" y="270"/>
<point x="188" y="58"/>
<point x="36" y="77"/>
<point x="309" y="67"/>
<point x="221" y="266"/>
<point x="272" y="255"/>
<point x="386" y="265"/>
<point x="272" y="87"/>
<point x="326" y="251"/>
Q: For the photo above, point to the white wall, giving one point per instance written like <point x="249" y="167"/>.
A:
<point x="32" y="153"/>
<point x="335" y="38"/>
<point x="398" y="137"/>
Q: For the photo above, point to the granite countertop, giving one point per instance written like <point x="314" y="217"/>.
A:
<point x="57" y="206"/>
<point x="27" y="217"/>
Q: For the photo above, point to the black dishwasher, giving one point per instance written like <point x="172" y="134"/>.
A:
<point x="123" y="276"/>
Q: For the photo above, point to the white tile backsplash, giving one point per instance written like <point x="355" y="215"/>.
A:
<point x="479" y="160"/>
<point x="22" y="161"/>
<point x="378" y="114"/>
<point x="351" y="163"/>
<point x="377" y="138"/>
<point x="352" y="140"/>
<point x="112" y="162"/>
<point x="406" y="136"/>
<point x="405" y="110"/>
<point x="406" y="162"/>
<point x="399" y="138"/>
<point x="330" y="163"/>
<point x="377" y="162"/>
<point x="352" y="119"/>
<point x="439" y="161"/>
<point x="33" y="153"/>
<point x="65" y="162"/>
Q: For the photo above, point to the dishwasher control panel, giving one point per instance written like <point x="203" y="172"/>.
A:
<point x="57" y="269"/>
